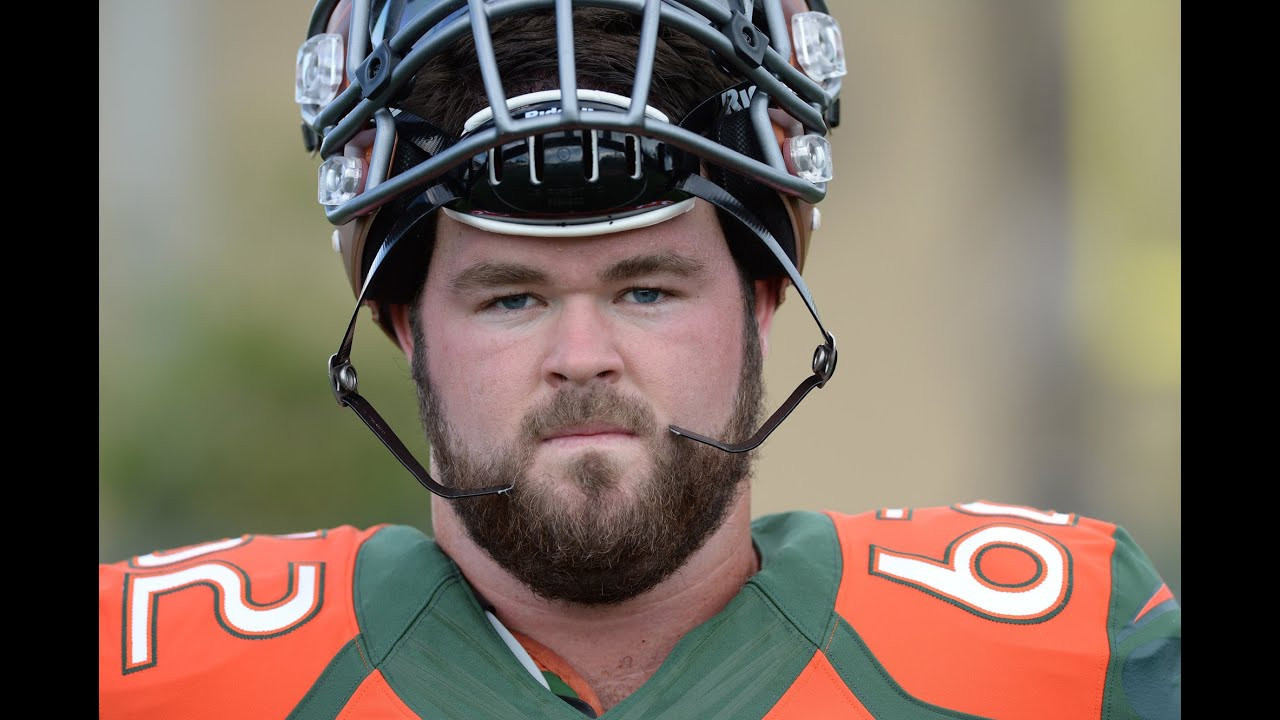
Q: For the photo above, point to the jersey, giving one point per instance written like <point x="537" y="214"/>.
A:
<point x="975" y="610"/>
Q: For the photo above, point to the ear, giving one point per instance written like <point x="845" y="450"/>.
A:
<point x="404" y="333"/>
<point x="768" y="296"/>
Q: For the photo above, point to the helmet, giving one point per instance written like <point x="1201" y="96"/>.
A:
<point x="559" y="159"/>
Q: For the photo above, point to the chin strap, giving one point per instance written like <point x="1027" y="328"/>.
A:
<point x="342" y="374"/>
<point x="824" y="357"/>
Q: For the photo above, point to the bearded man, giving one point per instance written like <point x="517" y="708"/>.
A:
<point x="577" y="220"/>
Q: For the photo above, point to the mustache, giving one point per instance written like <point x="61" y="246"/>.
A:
<point x="595" y="405"/>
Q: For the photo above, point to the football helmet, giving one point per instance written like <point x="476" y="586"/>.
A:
<point x="564" y="160"/>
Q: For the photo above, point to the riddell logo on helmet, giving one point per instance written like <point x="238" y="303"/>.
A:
<point x="732" y="101"/>
<point x="551" y="111"/>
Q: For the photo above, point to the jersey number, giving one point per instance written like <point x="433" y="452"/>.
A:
<point x="960" y="578"/>
<point x="235" y="611"/>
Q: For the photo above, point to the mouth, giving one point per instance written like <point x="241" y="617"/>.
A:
<point x="588" y="434"/>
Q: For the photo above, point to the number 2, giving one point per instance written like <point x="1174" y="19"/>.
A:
<point x="234" y="609"/>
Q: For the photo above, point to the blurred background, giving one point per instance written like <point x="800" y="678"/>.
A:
<point x="1000" y="259"/>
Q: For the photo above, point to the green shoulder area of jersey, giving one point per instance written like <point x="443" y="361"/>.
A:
<point x="1144" y="677"/>
<point x="423" y="628"/>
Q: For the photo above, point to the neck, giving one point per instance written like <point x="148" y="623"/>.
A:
<point x="615" y="648"/>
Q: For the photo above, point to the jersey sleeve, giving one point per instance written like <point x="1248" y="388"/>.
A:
<point x="1006" y="611"/>
<point x="1144" y="673"/>
<point x="237" y="628"/>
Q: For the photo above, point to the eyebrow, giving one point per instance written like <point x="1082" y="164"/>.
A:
<point x="483" y="275"/>
<point x="640" y="265"/>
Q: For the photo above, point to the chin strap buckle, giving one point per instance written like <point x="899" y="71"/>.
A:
<point x="824" y="360"/>
<point x="824" y="366"/>
<point x="342" y="378"/>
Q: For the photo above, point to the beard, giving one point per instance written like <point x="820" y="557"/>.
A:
<point x="582" y="538"/>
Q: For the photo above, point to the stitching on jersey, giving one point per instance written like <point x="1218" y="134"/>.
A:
<point x="356" y="696"/>
<point x="832" y="618"/>
<point x="833" y="615"/>
<point x="364" y="660"/>
<point x="452" y="575"/>
<point x="893" y="684"/>
<point x="529" y="690"/>
<point x="825" y="672"/>
<point x="788" y="698"/>
<point x="326" y="678"/>
<point x="450" y="578"/>
<point x="353" y="564"/>
<point x="830" y="637"/>
<point x="668" y="672"/>
<point x="829" y="672"/>
<point x="384" y="687"/>
<point x="778" y="610"/>
<point x="1108" y="699"/>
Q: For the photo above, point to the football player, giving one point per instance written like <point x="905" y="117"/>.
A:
<point x="577" y="220"/>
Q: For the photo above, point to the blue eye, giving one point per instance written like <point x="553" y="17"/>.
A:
<point x="645" y="296"/>
<point x="513" y="302"/>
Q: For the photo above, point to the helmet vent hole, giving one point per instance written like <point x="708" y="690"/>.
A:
<point x="536" y="160"/>
<point x="495" y="167"/>
<point x="633" y="155"/>
<point x="590" y="165"/>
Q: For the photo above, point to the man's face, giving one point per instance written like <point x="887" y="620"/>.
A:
<point x="557" y="365"/>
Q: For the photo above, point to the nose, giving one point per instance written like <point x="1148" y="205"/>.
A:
<point x="584" y="347"/>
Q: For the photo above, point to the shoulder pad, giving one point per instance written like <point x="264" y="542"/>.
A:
<point x="240" y="627"/>
<point x="997" y="610"/>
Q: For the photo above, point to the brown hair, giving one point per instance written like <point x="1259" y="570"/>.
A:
<point x="449" y="88"/>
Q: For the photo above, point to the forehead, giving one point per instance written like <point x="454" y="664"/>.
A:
<point x="695" y="235"/>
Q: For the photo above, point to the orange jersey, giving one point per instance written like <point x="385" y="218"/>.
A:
<point x="997" y="611"/>
<point x="976" y="610"/>
<point x="238" y="628"/>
